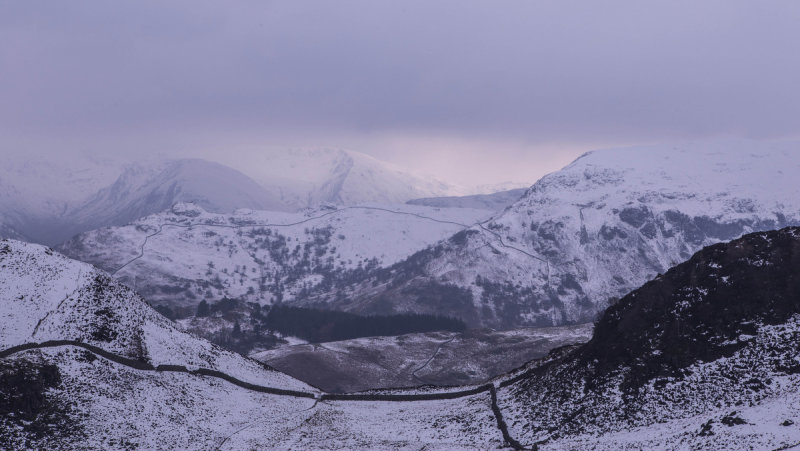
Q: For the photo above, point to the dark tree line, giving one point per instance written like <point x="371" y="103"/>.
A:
<point x="327" y="325"/>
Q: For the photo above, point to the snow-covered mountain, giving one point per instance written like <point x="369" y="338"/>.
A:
<point x="49" y="202"/>
<point x="309" y="177"/>
<point x="703" y="357"/>
<point x="144" y="190"/>
<point x="590" y="233"/>
<point x="37" y="191"/>
<point x="186" y="254"/>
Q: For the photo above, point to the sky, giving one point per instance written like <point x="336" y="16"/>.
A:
<point x="470" y="91"/>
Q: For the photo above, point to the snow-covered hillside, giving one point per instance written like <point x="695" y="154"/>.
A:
<point x="107" y="388"/>
<point x="186" y="254"/>
<point x="593" y="231"/>
<point x="46" y="296"/>
<point x="309" y="177"/>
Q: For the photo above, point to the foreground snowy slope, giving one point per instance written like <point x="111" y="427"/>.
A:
<point x="591" y="232"/>
<point x="104" y="405"/>
<point x="261" y="256"/>
<point x="107" y="386"/>
<point x="45" y="296"/>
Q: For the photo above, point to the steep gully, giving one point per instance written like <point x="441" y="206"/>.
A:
<point x="318" y="397"/>
<point x="60" y="303"/>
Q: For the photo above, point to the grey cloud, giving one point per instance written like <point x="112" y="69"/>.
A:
<point x="559" y="71"/>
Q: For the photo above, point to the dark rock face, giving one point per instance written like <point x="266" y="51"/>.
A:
<point x="26" y="404"/>
<point x="700" y="309"/>
<point x="710" y="333"/>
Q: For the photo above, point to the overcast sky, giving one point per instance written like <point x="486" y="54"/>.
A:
<point x="470" y="91"/>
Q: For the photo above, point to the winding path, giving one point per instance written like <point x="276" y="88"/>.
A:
<point x="430" y="359"/>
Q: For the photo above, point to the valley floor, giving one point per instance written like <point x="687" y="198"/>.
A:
<point x="437" y="358"/>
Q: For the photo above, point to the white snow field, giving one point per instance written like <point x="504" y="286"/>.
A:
<point x="604" y="225"/>
<point x="260" y="256"/>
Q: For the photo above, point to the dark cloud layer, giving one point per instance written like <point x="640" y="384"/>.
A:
<point x="541" y="74"/>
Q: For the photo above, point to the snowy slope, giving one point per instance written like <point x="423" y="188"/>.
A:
<point x="46" y="296"/>
<point x="261" y="256"/>
<point x="97" y="403"/>
<point x="598" y="228"/>
<point x="112" y="406"/>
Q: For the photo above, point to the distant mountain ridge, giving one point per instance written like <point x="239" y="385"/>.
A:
<point x="50" y="201"/>
<point x="142" y="191"/>
<point x="309" y="177"/>
<point x="47" y="203"/>
<point x="261" y="256"/>
<point x="589" y="233"/>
